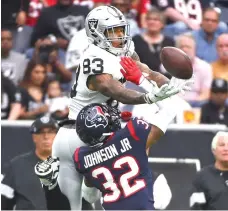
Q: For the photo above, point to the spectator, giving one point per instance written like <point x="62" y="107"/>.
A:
<point x="216" y="110"/>
<point x="33" y="88"/>
<point x="140" y="7"/>
<point x="202" y="72"/>
<point x="46" y="52"/>
<point x="184" y="16"/>
<point x="10" y="10"/>
<point x="207" y="35"/>
<point x="220" y="67"/>
<point x="149" y="44"/>
<point x="210" y="186"/>
<point x="125" y="7"/>
<point x="60" y="23"/>
<point x="10" y="100"/>
<point x="58" y="104"/>
<point x="13" y="63"/>
<point x="20" y="186"/>
<point x="26" y="20"/>
<point x="179" y="17"/>
<point x="21" y="44"/>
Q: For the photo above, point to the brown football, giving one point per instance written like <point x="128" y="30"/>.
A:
<point x="176" y="62"/>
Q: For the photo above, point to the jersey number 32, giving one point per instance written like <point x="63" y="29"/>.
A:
<point x="123" y="182"/>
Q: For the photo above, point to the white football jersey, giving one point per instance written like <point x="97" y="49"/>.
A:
<point x="94" y="61"/>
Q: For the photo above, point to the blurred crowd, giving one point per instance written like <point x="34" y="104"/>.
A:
<point x="42" y="41"/>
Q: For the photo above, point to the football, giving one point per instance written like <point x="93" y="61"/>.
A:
<point x="176" y="62"/>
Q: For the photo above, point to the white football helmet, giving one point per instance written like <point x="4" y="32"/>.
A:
<point x="100" y="21"/>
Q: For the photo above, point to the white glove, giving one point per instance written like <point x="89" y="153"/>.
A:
<point x="157" y="94"/>
<point x="187" y="85"/>
<point x="48" y="171"/>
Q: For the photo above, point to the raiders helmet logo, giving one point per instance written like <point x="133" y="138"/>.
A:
<point x="96" y="118"/>
<point x="92" y="23"/>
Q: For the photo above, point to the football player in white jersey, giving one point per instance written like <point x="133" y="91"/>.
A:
<point x="98" y="79"/>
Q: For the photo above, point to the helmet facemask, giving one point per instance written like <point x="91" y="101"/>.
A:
<point x="116" y="44"/>
<point x="106" y="36"/>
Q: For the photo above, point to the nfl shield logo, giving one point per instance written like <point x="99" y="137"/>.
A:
<point x="92" y="25"/>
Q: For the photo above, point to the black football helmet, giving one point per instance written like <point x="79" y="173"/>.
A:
<point x="96" y="121"/>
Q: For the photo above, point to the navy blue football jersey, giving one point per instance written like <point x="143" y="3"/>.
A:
<point x="119" y="168"/>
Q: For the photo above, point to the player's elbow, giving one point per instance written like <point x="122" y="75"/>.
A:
<point x="155" y="134"/>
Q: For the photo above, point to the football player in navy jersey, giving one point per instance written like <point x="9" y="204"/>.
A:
<point x="115" y="160"/>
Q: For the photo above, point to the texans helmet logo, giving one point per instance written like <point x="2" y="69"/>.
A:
<point x="96" y="118"/>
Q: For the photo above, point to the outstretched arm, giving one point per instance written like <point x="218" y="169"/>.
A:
<point x="105" y="84"/>
<point x="151" y="75"/>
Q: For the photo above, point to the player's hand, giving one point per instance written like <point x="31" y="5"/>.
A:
<point x="48" y="171"/>
<point x="182" y="85"/>
<point x="130" y="70"/>
<point x="165" y="91"/>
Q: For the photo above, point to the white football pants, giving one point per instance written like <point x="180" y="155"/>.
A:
<point x="69" y="180"/>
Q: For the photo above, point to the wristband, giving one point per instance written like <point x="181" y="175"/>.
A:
<point x="146" y="85"/>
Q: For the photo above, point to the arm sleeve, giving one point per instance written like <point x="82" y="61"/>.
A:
<point x="139" y="129"/>
<point x="7" y="189"/>
<point x="197" y="195"/>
